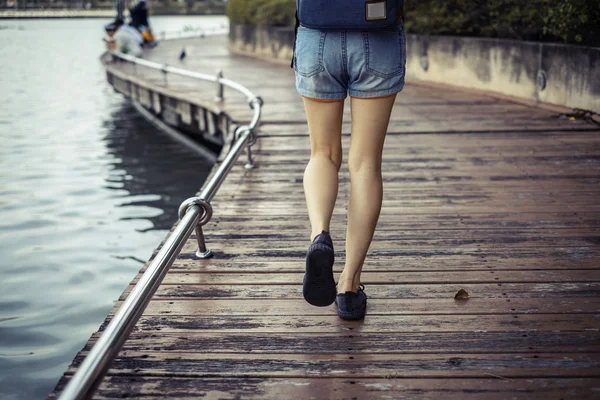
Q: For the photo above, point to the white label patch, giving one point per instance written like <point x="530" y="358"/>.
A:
<point x="376" y="10"/>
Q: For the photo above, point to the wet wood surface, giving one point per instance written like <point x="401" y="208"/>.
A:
<point x="497" y="198"/>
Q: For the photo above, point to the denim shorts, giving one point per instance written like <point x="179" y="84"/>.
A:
<point x="329" y="64"/>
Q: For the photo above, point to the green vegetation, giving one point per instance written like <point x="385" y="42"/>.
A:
<point x="566" y="21"/>
<point x="262" y="12"/>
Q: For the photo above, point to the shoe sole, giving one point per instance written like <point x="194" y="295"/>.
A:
<point x="318" y="287"/>
<point x="354" y="315"/>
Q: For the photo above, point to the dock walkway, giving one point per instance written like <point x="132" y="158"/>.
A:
<point x="497" y="198"/>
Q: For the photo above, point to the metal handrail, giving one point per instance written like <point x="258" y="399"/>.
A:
<point x="194" y="213"/>
<point x="166" y="68"/>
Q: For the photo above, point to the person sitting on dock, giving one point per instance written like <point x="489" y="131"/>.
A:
<point x="139" y="20"/>
<point x="124" y="38"/>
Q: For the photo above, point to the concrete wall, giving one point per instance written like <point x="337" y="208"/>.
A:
<point x="536" y="72"/>
<point x="270" y="43"/>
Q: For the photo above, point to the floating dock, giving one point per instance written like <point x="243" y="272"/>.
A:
<point x="482" y="194"/>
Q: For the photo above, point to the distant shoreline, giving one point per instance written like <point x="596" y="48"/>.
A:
<point x="70" y="13"/>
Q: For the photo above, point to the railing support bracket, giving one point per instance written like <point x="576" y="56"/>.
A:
<point x="202" y="253"/>
<point x="206" y="215"/>
<point x="250" y="163"/>
<point x="220" y="97"/>
<point x="164" y="71"/>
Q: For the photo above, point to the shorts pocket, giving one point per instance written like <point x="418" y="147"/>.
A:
<point x="308" y="56"/>
<point x="385" y="52"/>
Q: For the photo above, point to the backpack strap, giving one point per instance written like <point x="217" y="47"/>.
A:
<point x="295" y="37"/>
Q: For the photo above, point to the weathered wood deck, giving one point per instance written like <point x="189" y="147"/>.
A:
<point x="494" y="197"/>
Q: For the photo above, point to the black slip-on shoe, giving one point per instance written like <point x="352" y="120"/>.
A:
<point x="352" y="306"/>
<point x="318" y="286"/>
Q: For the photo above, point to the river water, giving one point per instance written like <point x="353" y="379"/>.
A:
<point x="88" y="189"/>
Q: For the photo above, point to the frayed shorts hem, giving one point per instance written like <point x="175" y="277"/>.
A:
<point x="322" y="96"/>
<point x="376" y="94"/>
<point x="337" y="96"/>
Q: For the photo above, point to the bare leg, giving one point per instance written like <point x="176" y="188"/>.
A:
<point x="370" y="118"/>
<point x="321" y="174"/>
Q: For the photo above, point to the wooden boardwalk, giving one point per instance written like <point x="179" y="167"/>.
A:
<point x="481" y="194"/>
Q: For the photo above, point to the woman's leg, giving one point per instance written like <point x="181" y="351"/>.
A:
<point x="370" y="118"/>
<point x="321" y="174"/>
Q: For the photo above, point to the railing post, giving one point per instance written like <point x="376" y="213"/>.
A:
<point x="164" y="71"/>
<point x="203" y="252"/>
<point x="219" y="86"/>
<point x="250" y="163"/>
<point x="255" y="104"/>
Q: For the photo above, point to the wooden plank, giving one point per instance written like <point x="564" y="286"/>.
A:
<point x="554" y="255"/>
<point x="410" y="125"/>
<point x="490" y="387"/>
<point x="262" y="324"/>
<point x="382" y="246"/>
<point x="466" y="162"/>
<point x="410" y="263"/>
<point x="421" y="222"/>
<point x="291" y="237"/>
<point x="435" y="180"/>
<point x="516" y="190"/>
<point x="376" y="278"/>
<point x="515" y="203"/>
<point x="441" y="184"/>
<point x="353" y="365"/>
<point x="548" y="291"/>
<point x="299" y="227"/>
<point x="463" y="144"/>
<point x="417" y="147"/>
<point x="261" y="190"/>
<point x="500" y="165"/>
<point x="418" y="156"/>
<point x="393" y="307"/>
<point x="540" y="177"/>
<point x="414" y="209"/>
<point x="390" y="343"/>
